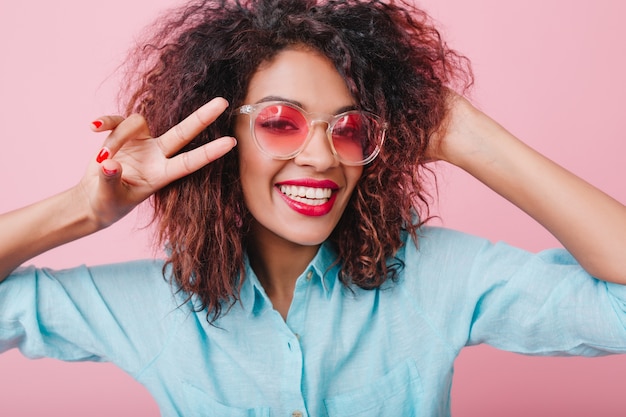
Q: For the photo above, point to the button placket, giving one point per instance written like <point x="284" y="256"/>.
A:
<point x="292" y="386"/>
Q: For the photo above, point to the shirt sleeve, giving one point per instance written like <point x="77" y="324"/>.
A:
<point x="116" y="313"/>
<point x="542" y="303"/>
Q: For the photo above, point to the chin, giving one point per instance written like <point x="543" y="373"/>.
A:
<point x="307" y="239"/>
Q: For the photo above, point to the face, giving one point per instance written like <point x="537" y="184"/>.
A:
<point x="299" y="200"/>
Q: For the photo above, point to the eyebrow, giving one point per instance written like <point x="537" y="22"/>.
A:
<point x="299" y="104"/>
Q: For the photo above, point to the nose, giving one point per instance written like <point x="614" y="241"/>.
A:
<point x="317" y="152"/>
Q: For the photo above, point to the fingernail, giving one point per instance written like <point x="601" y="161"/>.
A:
<point x="97" y="124"/>
<point x="109" y="172"/>
<point x="104" y="154"/>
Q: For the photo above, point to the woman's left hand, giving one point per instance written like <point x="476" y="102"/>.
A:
<point x="457" y="135"/>
<point x="589" y="223"/>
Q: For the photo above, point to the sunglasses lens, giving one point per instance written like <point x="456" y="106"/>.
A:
<point x="280" y="130"/>
<point x="354" y="137"/>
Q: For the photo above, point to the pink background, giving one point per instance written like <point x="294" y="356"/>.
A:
<point x="551" y="71"/>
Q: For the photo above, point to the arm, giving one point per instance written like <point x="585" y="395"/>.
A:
<point x="137" y="166"/>
<point x="590" y="224"/>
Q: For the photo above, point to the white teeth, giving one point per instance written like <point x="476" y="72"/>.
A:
<point x="307" y="195"/>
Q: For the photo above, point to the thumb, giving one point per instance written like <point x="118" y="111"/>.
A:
<point x="111" y="192"/>
<point x="110" y="172"/>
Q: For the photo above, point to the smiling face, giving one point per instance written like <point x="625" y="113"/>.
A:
<point x="299" y="200"/>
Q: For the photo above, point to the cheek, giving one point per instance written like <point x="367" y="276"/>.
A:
<point x="248" y="156"/>
<point x="252" y="164"/>
<point x="256" y="172"/>
<point x="353" y="175"/>
<point x="248" y="174"/>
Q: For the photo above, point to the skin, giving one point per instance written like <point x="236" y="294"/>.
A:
<point x="286" y="240"/>
<point x="138" y="166"/>
<point x="589" y="223"/>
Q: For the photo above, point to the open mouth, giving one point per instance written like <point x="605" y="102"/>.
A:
<point x="313" y="196"/>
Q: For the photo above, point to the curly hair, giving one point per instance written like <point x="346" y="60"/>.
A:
<point x="394" y="63"/>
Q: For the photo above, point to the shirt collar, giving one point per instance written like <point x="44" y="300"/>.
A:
<point x="320" y="271"/>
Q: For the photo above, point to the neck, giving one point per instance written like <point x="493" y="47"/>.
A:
<point x="278" y="263"/>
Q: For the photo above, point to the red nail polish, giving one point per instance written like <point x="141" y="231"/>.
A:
<point x="104" y="154"/>
<point x="97" y="124"/>
<point x="109" y="172"/>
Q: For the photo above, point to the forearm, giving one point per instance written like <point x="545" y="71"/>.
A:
<point x="32" y="230"/>
<point x="590" y="224"/>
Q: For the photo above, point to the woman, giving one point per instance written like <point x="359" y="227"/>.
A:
<point x="288" y="73"/>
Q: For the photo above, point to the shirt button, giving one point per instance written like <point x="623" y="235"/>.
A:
<point x="297" y="414"/>
<point x="309" y="275"/>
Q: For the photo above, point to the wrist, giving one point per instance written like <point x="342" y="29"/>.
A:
<point x="82" y="216"/>
<point x="470" y="136"/>
<point x="39" y="227"/>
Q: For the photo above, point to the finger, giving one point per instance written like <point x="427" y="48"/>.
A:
<point x="109" y="190"/>
<point x="111" y="170"/>
<point x="188" y="162"/>
<point x="133" y="127"/>
<point x="104" y="123"/>
<point x="181" y="134"/>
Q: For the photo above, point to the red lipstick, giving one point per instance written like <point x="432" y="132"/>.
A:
<point x="309" y="209"/>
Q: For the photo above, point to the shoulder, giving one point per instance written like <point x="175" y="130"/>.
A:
<point x="437" y="244"/>
<point x="438" y="266"/>
<point x="140" y="280"/>
<point x="444" y="251"/>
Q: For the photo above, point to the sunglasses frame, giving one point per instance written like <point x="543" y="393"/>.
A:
<point x="253" y="110"/>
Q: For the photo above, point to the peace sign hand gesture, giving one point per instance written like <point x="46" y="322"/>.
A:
<point x="132" y="165"/>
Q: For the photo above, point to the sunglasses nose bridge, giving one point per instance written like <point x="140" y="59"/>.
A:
<point x="319" y="124"/>
<point x="324" y="122"/>
<point x="321" y="120"/>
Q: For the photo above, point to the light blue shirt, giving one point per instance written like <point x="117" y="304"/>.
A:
<point x="341" y="352"/>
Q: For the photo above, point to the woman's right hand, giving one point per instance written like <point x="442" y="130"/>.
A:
<point x="132" y="165"/>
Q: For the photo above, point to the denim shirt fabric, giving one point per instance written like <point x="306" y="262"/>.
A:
<point x="341" y="352"/>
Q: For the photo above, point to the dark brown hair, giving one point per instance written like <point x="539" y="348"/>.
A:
<point x="394" y="64"/>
